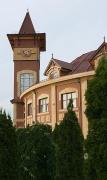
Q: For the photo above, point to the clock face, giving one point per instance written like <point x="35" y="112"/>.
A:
<point x="26" y="53"/>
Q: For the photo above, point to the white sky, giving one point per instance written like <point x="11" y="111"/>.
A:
<point x="73" y="27"/>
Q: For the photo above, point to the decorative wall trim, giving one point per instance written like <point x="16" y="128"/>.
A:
<point x="18" y="54"/>
<point x="57" y="80"/>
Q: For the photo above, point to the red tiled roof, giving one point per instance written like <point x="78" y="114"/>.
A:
<point x="63" y="64"/>
<point x="82" y="64"/>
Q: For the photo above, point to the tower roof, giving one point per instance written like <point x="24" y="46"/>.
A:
<point x="27" y="25"/>
<point x="27" y="31"/>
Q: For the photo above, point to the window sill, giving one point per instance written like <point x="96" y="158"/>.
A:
<point x="43" y="113"/>
<point x="29" y="116"/>
<point x="65" y="110"/>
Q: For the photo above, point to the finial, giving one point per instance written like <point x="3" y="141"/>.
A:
<point x="27" y="10"/>
<point x="104" y="39"/>
<point x="52" y="55"/>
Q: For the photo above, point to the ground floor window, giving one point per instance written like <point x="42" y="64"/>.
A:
<point x="29" y="109"/>
<point x="43" y="105"/>
<point x="66" y="98"/>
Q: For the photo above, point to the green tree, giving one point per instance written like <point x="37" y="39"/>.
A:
<point x="96" y="111"/>
<point x="68" y="140"/>
<point x="96" y="95"/>
<point x="36" y="153"/>
<point x="8" y="148"/>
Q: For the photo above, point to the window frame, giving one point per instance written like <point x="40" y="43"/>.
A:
<point x="68" y="99"/>
<point x="43" y="105"/>
<point x="26" y="82"/>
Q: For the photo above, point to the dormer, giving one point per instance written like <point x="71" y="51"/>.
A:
<point x="57" y="68"/>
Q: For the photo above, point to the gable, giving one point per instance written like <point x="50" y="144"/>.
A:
<point x="51" y="67"/>
<point x="101" y="51"/>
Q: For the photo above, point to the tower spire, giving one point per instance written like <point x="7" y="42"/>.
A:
<point x="27" y="25"/>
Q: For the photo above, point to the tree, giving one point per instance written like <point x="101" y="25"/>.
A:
<point x="96" y="94"/>
<point x="36" y="153"/>
<point x="96" y="111"/>
<point x="8" y="148"/>
<point x="68" y="140"/>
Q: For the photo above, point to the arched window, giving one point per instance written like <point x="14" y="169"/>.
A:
<point x="26" y="80"/>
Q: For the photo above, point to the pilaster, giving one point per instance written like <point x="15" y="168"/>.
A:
<point x="53" y="105"/>
<point x="83" y="107"/>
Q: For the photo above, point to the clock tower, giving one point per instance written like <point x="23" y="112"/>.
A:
<point x="26" y="45"/>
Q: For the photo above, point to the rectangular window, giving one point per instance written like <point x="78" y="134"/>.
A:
<point x="66" y="98"/>
<point x="26" y="80"/>
<point x="29" y="109"/>
<point x="43" y="105"/>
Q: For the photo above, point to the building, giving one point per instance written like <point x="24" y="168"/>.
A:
<point x="46" y="101"/>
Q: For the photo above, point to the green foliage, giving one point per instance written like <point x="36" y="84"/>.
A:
<point x="96" y="111"/>
<point x="68" y="140"/>
<point x="97" y="150"/>
<point x="36" y="152"/>
<point x="8" y="148"/>
<point x="96" y="95"/>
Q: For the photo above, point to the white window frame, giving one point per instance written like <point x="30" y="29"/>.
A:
<point x="65" y="98"/>
<point x="43" y="105"/>
<point x="26" y="81"/>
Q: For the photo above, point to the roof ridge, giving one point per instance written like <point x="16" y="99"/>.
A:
<point x="82" y="55"/>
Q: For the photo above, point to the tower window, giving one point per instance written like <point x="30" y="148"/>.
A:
<point x="43" y="105"/>
<point x="66" y="98"/>
<point x="26" y="80"/>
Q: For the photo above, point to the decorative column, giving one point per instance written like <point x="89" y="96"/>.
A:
<point x="34" y="108"/>
<point x="83" y="107"/>
<point x="53" y="105"/>
<point x="25" y="101"/>
<point x="14" y="114"/>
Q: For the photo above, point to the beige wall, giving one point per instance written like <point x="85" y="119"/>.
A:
<point x="66" y="87"/>
<point x="53" y="90"/>
<point x="53" y="93"/>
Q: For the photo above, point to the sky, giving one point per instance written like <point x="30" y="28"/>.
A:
<point x="72" y="27"/>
